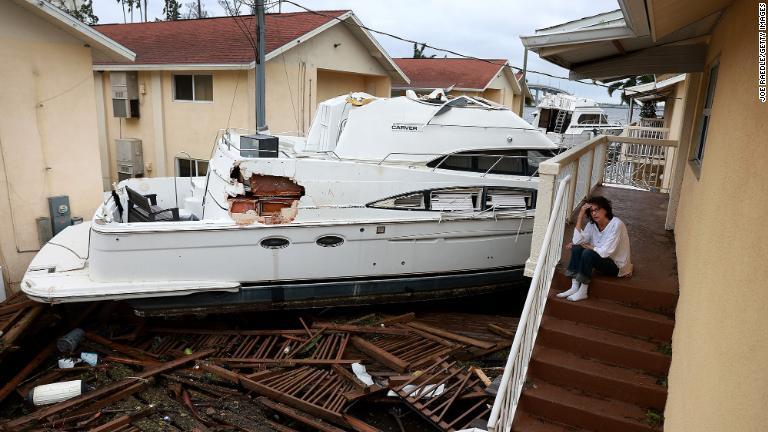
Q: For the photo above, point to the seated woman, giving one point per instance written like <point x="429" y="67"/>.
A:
<point x="602" y="244"/>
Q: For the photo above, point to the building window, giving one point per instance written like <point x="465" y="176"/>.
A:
<point x="193" y="88"/>
<point x="698" y="155"/>
<point x="191" y="167"/>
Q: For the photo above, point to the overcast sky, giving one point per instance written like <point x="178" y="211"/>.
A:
<point x="480" y="28"/>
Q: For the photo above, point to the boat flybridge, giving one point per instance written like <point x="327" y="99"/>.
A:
<point x="570" y="120"/>
<point x="385" y="197"/>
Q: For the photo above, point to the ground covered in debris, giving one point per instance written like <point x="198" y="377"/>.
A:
<point x="407" y="367"/>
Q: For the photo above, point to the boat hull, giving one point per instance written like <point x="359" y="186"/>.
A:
<point x="344" y="292"/>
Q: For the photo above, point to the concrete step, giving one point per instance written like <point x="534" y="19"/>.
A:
<point x="603" y="345"/>
<point x="525" y="422"/>
<point x="582" y="410"/>
<point x="595" y="377"/>
<point x="611" y="315"/>
<point x="620" y="290"/>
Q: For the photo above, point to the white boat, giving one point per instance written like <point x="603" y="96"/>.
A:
<point x="570" y="120"/>
<point x="384" y="197"/>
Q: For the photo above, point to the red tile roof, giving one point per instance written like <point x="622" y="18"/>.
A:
<point x="445" y="72"/>
<point x="210" y="40"/>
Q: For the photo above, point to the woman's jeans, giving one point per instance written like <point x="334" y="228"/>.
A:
<point x="584" y="260"/>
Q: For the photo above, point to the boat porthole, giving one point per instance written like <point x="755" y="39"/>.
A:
<point x="329" y="241"/>
<point x="274" y="243"/>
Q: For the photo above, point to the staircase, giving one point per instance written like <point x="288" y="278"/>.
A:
<point x="599" y="364"/>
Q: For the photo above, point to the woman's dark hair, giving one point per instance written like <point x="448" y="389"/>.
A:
<point x="603" y="203"/>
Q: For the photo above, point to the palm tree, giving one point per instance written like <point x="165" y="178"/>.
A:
<point x="418" y="52"/>
<point x="629" y="82"/>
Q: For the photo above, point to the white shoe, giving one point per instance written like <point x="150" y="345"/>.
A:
<point x="574" y="288"/>
<point x="581" y="294"/>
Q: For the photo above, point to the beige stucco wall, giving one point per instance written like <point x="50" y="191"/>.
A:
<point x="718" y="378"/>
<point x="48" y="134"/>
<point x="329" y="64"/>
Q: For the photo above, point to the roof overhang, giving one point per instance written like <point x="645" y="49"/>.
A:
<point x="103" y="47"/>
<point x="172" y="67"/>
<point x="656" y="90"/>
<point x="623" y="42"/>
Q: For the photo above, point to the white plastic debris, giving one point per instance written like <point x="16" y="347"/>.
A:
<point x="361" y="374"/>
<point x="54" y="393"/>
<point x="425" y="392"/>
<point x="90" y="358"/>
<point x="66" y="363"/>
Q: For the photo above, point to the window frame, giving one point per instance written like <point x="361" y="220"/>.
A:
<point x="194" y="96"/>
<point x="180" y="160"/>
<point x="698" y="146"/>
<point x="482" y="197"/>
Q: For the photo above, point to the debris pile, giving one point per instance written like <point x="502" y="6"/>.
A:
<point x="146" y="377"/>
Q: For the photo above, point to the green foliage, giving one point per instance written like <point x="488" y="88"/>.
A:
<point x="629" y="82"/>
<point x="648" y="110"/>
<point x="418" y="52"/>
<point x="172" y="10"/>
<point x="664" y="348"/>
<point x="84" y="13"/>
<point x="654" y="417"/>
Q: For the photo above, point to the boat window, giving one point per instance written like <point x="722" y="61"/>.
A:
<point x="535" y="157"/>
<point x="413" y="201"/>
<point x="591" y="119"/>
<point x="508" y="199"/>
<point x="461" y="199"/>
<point x="329" y="241"/>
<point x="455" y="199"/>
<point x="274" y="243"/>
<point x="510" y="162"/>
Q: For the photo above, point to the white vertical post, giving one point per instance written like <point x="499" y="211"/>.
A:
<point x="544" y="197"/>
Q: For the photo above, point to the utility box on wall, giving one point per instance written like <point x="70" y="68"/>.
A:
<point x="61" y="214"/>
<point x="130" y="158"/>
<point x="125" y="94"/>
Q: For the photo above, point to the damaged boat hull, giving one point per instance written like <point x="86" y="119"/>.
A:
<point x="343" y="292"/>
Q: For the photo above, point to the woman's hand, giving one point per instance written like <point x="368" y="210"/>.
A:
<point x="588" y="246"/>
<point x="569" y="246"/>
<point x="586" y="208"/>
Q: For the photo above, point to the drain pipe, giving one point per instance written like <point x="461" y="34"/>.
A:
<point x="261" y="110"/>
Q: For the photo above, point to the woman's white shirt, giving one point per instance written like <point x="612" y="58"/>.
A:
<point x="612" y="242"/>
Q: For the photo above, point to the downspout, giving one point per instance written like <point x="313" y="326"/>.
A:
<point x="261" y="110"/>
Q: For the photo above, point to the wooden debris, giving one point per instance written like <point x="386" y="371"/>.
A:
<point x="124" y="420"/>
<point x="501" y="331"/>
<point x="452" y="336"/>
<point x="349" y="328"/>
<point x="379" y="354"/>
<point x="298" y="416"/>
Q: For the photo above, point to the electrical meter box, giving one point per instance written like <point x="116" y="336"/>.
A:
<point x="258" y="146"/>
<point x="61" y="214"/>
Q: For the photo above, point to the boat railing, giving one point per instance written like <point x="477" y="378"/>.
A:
<point x="516" y="368"/>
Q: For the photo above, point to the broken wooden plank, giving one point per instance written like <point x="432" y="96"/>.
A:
<point x="501" y="331"/>
<point x="9" y="337"/>
<point x="298" y="416"/>
<point x="279" y="427"/>
<point x="404" y="318"/>
<point x="110" y="389"/>
<point x="124" y="420"/>
<point x="359" y="425"/>
<point x="350" y="328"/>
<point x="351" y="377"/>
<point x="281" y="395"/>
<point x="123" y="349"/>
<point x="248" y="363"/>
<point x="480" y="374"/>
<point x="380" y="355"/>
<point x="452" y="336"/>
<point x="33" y="364"/>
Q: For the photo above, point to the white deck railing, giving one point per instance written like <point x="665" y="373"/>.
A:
<point x="564" y="182"/>
<point x="512" y="381"/>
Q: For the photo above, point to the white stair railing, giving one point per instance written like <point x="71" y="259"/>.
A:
<point x="505" y="405"/>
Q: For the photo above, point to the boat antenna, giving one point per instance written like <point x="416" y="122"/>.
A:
<point x="261" y="110"/>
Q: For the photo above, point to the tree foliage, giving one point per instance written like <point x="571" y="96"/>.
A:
<point x="172" y="10"/>
<point x="629" y="82"/>
<point x="194" y="10"/>
<point x="84" y="13"/>
<point x="418" y="51"/>
<point x="648" y="110"/>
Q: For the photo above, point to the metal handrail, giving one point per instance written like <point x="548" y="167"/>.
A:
<point x="516" y="368"/>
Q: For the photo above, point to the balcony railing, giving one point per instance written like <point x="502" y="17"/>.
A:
<point x="564" y="182"/>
